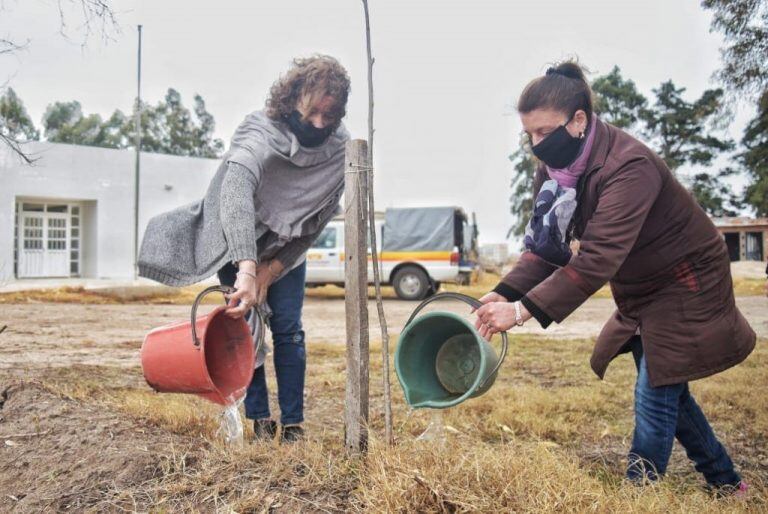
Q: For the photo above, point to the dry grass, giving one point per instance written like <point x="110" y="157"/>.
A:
<point x="547" y="437"/>
<point x="185" y="296"/>
<point x="80" y="295"/>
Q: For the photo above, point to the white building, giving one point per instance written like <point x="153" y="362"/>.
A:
<point x="495" y="254"/>
<point x="71" y="213"/>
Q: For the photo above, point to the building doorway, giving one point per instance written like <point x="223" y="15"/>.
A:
<point x="48" y="240"/>
<point x="734" y="246"/>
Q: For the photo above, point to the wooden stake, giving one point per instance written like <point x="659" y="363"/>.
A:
<point x="356" y="297"/>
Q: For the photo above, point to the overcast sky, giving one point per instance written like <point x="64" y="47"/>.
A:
<point x="446" y="79"/>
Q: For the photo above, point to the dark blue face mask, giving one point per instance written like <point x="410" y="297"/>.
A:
<point x="559" y="149"/>
<point x="307" y="134"/>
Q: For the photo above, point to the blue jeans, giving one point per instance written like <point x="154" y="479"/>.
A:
<point x="663" y="414"/>
<point x="286" y="299"/>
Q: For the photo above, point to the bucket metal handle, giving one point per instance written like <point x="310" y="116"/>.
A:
<point x="473" y="302"/>
<point x="226" y="290"/>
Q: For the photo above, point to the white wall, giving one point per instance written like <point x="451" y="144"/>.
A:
<point x="104" y="179"/>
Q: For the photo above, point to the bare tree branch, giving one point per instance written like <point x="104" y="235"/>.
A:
<point x="97" y="17"/>
<point x="16" y="147"/>
<point x="374" y="247"/>
<point x="8" y="47"/>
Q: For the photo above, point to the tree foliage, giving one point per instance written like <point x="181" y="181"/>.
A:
<point x="681" y="131"/>
<point x="15" y="123"/>
<point x="524" y="165"/>
<point x="754" y="159"/>
<point x="744" y="26"/>
<point x="64" y="122"/>
<point x="617" y="100"/>
<point x="167" y="127"/>
<point x="713" y="194"/>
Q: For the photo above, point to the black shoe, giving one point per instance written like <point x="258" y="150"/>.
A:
<point x="291" y="433"/>
<point x="264" y="429"/>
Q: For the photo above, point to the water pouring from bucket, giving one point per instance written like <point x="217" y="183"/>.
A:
<point x="442" y="360"/>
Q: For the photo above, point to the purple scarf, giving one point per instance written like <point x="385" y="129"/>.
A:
<point x="569" y="176"/>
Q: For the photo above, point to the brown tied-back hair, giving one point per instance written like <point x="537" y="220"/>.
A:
<point x="316" y="76"/>
<point x="563" y="88"/>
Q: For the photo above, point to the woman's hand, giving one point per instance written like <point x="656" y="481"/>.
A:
<point x="252" y="284"/>
<point x="494" y="317"/>
<point x="486" y="299"/>
<point x="491" y="297"/>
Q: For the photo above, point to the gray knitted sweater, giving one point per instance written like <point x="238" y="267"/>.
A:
<point x="269" y="199"/>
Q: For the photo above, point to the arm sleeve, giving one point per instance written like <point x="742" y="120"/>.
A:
<point x="529" y="272"/>
<point x="623" y="206"/>
<point x="238" y="212"/>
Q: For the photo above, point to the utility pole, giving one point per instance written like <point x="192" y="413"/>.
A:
<point x="137" y="110"/>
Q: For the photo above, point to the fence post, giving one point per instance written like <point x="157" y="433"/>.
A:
<point x="356" y="296"/>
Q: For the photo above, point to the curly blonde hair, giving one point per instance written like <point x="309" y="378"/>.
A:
<point x="318" y="75"/>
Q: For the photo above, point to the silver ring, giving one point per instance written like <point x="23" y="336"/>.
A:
<point x="489" y="325"/>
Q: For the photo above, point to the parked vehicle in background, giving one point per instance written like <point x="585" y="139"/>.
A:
<point x="420" y="249"/>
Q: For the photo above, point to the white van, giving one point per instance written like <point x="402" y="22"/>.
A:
<point x="420" y="248"/>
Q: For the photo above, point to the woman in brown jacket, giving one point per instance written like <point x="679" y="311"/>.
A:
<point x="641" y="231"/>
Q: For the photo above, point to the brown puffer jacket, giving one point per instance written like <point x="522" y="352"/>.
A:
<point x="667" y="265"/>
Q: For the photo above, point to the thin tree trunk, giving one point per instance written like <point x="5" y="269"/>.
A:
<point x="374" y="246"/>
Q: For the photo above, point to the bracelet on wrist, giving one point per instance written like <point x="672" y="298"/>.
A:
<point x="518" y="315"/>
<point x="243" y="272"/>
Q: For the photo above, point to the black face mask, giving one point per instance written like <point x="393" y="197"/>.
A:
<point x="307" y="134"/>
<point x="559" y="149"/>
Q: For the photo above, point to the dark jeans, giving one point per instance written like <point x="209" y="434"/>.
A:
<point x="286" y="299"/>
<point x="663" y="414"/>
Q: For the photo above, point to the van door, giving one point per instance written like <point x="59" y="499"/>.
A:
<point x="324" y="264"/>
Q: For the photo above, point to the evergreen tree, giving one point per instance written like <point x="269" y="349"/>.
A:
<point x="15" y="123"/>
<point x="521" y="201"/>
<point x="680" y="130"/>
<point x="713" y="194"/>
<point x="744" y="26"/>
<point x="617" y="100"/>
<point x="210" y="147"/>
<point x="755" y="159"/>
<point x="167" y="127"/>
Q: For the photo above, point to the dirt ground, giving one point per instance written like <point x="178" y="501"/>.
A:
<point x="60" y="454"/>
<point x="81" y="431"/>
<point x="41" y="335"/>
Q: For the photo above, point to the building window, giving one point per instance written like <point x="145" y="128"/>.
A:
<point x="753" y="246"/>
<point x="74" y="240"/>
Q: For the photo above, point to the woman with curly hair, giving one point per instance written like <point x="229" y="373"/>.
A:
<point x="277" y="187"/>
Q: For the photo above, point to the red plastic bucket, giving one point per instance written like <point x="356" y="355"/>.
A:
<point x="211" y="356"/>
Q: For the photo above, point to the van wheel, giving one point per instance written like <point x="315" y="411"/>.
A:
<point x="411" y="283"/>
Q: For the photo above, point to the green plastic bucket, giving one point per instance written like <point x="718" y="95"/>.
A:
<point x="441" y="359"/>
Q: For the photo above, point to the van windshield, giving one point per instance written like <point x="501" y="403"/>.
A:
<point x="326" y="239"/>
